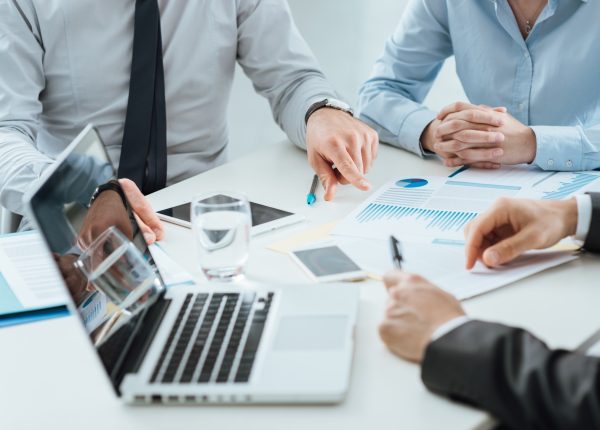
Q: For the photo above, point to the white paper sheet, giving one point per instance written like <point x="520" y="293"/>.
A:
<point x="532" y="181"/>
<point x="444" y="265"/>
<point x="434" y="210"/>
<point x="29" y="276"/>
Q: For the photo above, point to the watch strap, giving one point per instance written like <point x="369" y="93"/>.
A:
<point x="323" y="104"/>
<point x="112" y="185"/>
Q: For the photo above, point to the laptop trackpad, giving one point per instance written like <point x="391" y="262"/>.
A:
<point x="312" y="332"/>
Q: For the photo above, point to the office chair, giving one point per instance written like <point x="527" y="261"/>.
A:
<point x="9" y="222"/>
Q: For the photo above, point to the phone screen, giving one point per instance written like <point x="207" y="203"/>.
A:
<point x="261" y="214"/>
<point x="326" y="261"/>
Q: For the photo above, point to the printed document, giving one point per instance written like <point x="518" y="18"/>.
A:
<point x="29" y="279"/>
<point x="444" y="265"/>
<point x="434" y="209"/>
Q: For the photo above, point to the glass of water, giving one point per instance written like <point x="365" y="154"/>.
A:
<point x="116" y="267"/>
<point x="221" y="225"/>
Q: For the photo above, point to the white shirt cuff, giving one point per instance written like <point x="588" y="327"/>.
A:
<point x="584" y="216"/>
<point x="449" y="326"/>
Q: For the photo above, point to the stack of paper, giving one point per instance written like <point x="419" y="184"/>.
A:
<point x="30" y="285"/>
<point x="429" y="214"/>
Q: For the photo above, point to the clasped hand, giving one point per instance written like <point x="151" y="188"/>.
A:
<point x="479" y="136"/>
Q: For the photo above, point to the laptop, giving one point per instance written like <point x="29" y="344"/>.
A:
<point x="195" y="344"/>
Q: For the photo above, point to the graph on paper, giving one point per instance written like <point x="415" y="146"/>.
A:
<point x="568" y="185"/>
<point x="432" y="219"/>
<point x="437" y="209"/>
<point x="531" y="181"/>
<point x="424" y="209"/>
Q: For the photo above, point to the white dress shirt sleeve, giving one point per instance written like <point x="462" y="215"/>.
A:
<point x="584" y="216"/>
<point x="391" y="100"/>
<point x="280" y="64"/>
<point x="21" y="82"/>
<point x="449" y="326"/>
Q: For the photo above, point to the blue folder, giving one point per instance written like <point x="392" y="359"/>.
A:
<point x="30" y="316"/>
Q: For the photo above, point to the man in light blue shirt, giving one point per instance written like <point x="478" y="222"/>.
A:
<point x="538" y="60"/>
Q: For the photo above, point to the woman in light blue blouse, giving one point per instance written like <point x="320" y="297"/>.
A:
<point x="538" y="61"/>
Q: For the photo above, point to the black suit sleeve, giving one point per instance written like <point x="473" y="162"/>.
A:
<point x="592" y="241"/>
<point x="515" y="377"/>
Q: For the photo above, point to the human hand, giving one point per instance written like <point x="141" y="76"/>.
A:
<point x="513" y="226"/>
<point x="144" y="214"/>
<point x="416" y="309"/>
<point x="468" y="130"/>
<point x="483" y="137"/>
<point x="334" y="138"/>
<point x="108" y="210"/>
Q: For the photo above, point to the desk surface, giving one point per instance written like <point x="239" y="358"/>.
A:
<point x="49" y="377"/>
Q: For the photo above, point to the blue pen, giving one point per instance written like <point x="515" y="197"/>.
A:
<point x="311" y="198"/>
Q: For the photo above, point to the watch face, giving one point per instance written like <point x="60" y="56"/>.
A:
<point x="338" y="104"/>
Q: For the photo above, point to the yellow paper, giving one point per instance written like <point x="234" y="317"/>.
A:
<point x="304" y="238"/>
<point x="566" y="245"/>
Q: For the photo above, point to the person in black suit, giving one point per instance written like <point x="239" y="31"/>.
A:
<point x="504" y="370"/>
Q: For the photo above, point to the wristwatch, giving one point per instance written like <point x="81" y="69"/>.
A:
<point x="328" y="103"/>
<point x="112" y="185"/>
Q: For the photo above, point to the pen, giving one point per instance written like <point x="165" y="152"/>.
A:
<point x="311" y="198"/>
<point x="396" y="248"/>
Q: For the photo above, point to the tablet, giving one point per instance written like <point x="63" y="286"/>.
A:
<point x="328" y="264"/>
<point x="264" y="218"/>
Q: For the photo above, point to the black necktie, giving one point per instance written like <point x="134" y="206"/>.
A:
<point x="144" y="148"/>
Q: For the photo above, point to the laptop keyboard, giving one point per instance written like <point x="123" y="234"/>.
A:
<point x="215" y="338"/>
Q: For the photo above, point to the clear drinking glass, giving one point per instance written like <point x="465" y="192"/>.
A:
<point x="116" y="267"/>
<point x="221" y="225"/>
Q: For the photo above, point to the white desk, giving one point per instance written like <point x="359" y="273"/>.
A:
<point x="49" y="376"/>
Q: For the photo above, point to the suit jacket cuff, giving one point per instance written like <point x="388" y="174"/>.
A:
<point x="592" y="241"/>
<point x="457" y="364"/>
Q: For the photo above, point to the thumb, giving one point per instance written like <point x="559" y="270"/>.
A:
<point x="508" y="249"/>
<point x="147" y="232"/>
<point x="326" y="176"/>
<point x="142" y="207"/>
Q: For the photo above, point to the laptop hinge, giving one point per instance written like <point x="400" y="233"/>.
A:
<point x="136" y="349"/>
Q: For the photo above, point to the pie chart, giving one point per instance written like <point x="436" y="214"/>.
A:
<point x="411" y="183"/>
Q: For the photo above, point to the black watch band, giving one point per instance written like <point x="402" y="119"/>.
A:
<point x="333" y="104"/>
<point x="112" y="185"/>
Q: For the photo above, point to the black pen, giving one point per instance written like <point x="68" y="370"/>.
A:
<point x="396" y="248"/>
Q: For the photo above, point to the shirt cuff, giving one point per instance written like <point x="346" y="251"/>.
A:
<point x="447" y="327"/>
<point x="584" y="216"/>
<point x="558" y="148"/>
<point x="412" y="128"/>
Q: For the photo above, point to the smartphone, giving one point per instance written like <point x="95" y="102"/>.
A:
<point x="264" y="218"/>
<point x="328" y="264"/>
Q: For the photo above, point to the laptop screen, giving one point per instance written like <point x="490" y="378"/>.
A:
<point x="95" y="261"/>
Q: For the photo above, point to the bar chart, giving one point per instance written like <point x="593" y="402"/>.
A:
<point x="568" y="186"/>
<point x="429" y="219"/>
